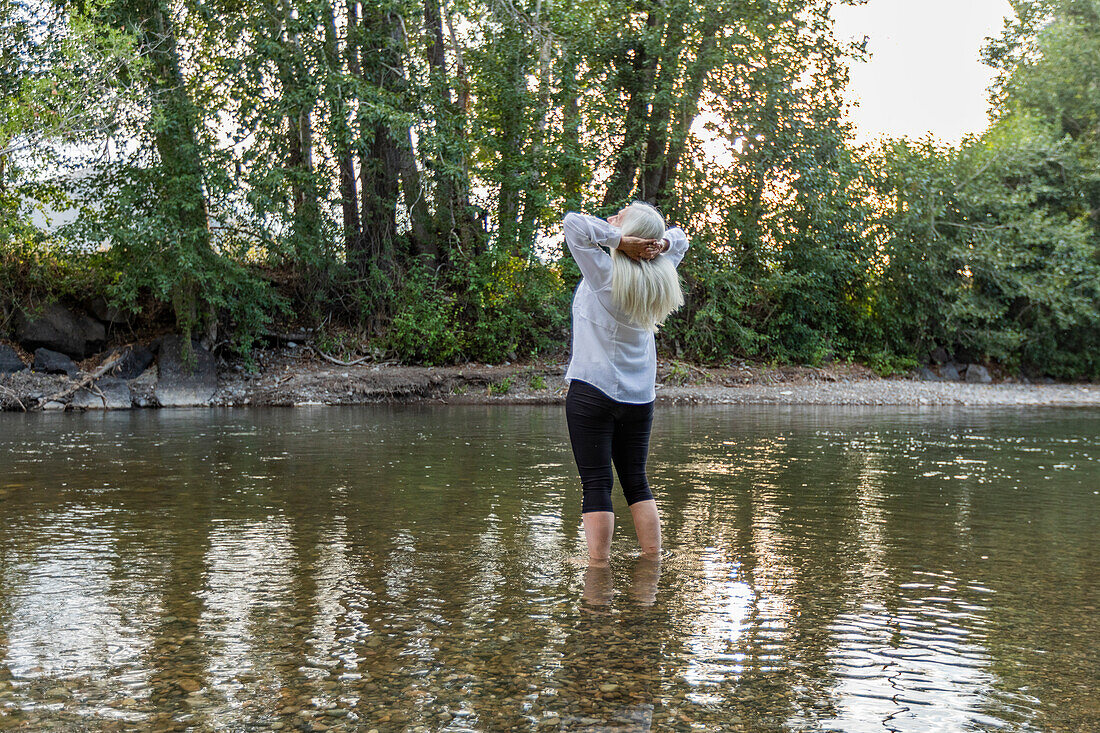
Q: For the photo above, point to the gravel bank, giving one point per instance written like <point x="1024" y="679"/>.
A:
<point x="296" y="377"/>
<point x="889" y="392"/>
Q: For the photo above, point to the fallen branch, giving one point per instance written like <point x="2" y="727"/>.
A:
<point x="287" y="337"/>
<point x="103" y="369"/>
<point x="334" y="360"/>
<point x="14" y="396"/>
<point x="684" y="364"/>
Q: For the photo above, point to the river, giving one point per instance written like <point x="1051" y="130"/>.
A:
<point x="422" y="568"/>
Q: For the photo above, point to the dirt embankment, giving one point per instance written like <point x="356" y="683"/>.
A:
<point x="287" y="378"/>
<point x="297" y="376"/>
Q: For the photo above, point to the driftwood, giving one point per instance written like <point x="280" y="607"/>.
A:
<point x="103" y="369"/>
<point x="287" y="337"/>
<point x="334" y="360"/>
<point x="684" y="365"/>
<point x="14" y="396"/>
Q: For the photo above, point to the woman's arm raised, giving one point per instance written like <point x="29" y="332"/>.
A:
<point x="583" y="235"/>
<point x="677" y="245"/>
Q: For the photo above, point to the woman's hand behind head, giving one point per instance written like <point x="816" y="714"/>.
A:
<point x="640" y="248"/>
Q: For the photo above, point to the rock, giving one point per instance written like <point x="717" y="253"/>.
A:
<point x="939" y="355"/>
<point x="116" y="396"/>
<point x="109" y="314"/>
<point x="950" y="372"/>
<point x="134" y="362"/>
<point x="57" y="328"/>
<point x="977" y="374"/>
<point x="925" y="374"/>
<point x="180" y="384"/>
<point x="53" y="406"/>
<point x="53" y="362"/>
<point x="10" y="361"/>
<point x="188" y="685"/>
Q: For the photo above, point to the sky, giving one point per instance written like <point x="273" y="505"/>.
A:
<point x="925" y="73"/>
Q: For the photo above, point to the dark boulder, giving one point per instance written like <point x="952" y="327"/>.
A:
<point x="180" y="384"/>
<point x="977" y="374"/>
<point x="925" y="374"/>
<point x="10" y="361"/>
<point x="939" y="355"/>
<point x="53" y="362"/>
<point x="109" y="394"/>
<point x="56" y="328"/>
<point x="950" y="372"/>
<point x="133" y="363"/>
<point x="109" y="314"/>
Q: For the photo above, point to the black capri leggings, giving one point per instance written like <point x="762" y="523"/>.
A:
<point x="605" y="432"/>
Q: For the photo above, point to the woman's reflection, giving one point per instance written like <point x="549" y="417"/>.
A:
<point x="612" y="656"/>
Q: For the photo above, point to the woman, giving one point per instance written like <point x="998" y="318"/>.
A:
<point x="622" y="300"/>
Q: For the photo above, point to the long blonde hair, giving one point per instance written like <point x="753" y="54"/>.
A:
<point x="646" y="291"/>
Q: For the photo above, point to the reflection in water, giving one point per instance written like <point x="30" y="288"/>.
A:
<point x="415" y="569"/>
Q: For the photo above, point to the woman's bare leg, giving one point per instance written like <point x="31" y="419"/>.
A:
<point x="598" y="528"/>
<point x="647" y="523"/>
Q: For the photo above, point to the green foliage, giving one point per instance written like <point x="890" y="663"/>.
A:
<point x="889" y="364"/>
<point x="409" y="186"/>
<point x="424" y="328"/>
<point x="502" y="387"/>
<point x="537" y="383"/>
<point x="678" y="374"/>
<point x="152" y="254"/>
<point x="721" y="310"/>
<point x="34" y="271"/>
<point x="338" y="343"/>
<point x="488" y="307"/>
<point x="989" y="252"/>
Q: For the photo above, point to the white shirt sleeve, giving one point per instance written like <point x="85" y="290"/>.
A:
<point x="584" y="234"/>
<point x="678" y="245"/>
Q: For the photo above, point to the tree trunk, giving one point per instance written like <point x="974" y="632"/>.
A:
<point x="424" y="241"/>
<point x="444" y="185"/>
<point x="510" y="169"/>
<point x="572" y="168"/>
<point x="380" y="163"/>
<point x="687" y="109"/>
<point x="416" y="201"/>
<point x="534" y="197"/>
<point x="294" y="79"/>
<point x="341" y="131"/>
<point x="176" y="140"/>
<point x="637" y="81"/>
<point x="664" y="94"/>
<point x="379" y="197"/>
<point x="448" y="166"/>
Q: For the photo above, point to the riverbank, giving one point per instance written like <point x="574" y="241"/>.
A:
<point x="296" y="376"/>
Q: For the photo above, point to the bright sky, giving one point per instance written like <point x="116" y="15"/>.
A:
<point x="925" y="73"/>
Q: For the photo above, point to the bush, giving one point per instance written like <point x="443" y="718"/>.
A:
<point x="35" y="269"/>
<point x="488" y="307"/>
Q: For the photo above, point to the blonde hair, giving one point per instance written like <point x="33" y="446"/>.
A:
<point x="646" y="291"/>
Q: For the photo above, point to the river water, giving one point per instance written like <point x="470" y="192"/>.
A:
<point x="422" y="569"/>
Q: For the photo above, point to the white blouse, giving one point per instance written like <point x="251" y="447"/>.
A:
<point x="609" y="351"/>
